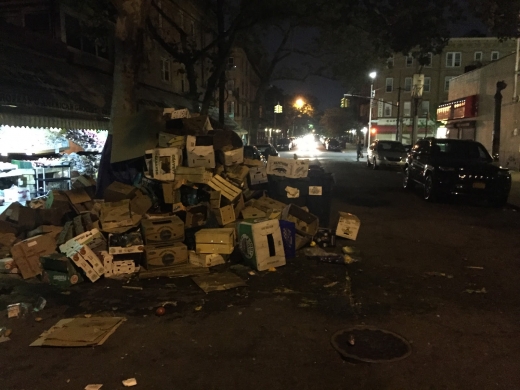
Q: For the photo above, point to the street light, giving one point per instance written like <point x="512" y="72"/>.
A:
<point x="299" y="103"/>
<point x="372" y="75"/>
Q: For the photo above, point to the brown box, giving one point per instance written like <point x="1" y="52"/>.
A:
<point x="224" y="215"/>
<point x="220" y="241"/>
<point x="161" y="230"/>
<point x="140" y="204"/>
<point x="165" y="255"/>
<point x="119" y="191"/>
<point x="79" y="199"/>
<point x="26" y="254"/>
<point x="196" y="216"/>
<point x="306" y="223"/>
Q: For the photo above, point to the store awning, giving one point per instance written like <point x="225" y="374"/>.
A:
<point x="20" y="120"/>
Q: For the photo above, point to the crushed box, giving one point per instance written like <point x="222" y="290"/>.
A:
<point x="26" y="254"/>
<point x="261" y="243"/>
<point x="306" y="223"/>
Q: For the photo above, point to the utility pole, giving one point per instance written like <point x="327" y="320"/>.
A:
<point x="398" y="113"/>
<point x="418" y="84"/>
<point x="501" y="85"/>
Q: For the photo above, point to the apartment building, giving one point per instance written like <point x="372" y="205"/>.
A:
<point x="393" y="85"/>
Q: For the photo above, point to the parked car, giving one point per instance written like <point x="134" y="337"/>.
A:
<point x="456" y="167"/>
<point x="284" y="144"/>
<point x="390" y="154"/>
<point x="267" y="150"/>
<point x="333" y="144"/>
<point x="251" y="152"/>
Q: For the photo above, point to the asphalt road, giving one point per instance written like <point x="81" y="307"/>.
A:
<point x="416" y="278"/>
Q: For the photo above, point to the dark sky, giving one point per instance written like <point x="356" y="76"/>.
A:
<point x="330" y="92"/>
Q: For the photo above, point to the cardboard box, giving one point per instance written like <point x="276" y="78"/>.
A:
<point x="228" y="190"/>
<point x="239" y="205"/>
<point x="261" y="244"/>
<point x="224" y="215"/>
<point x="167" y="140"/>
<point x="197" y="175"/>
<point x="165" y="162"/>
<point x="235" y="156"/>
<point x="220" y="241"/>
<point x="306" y="223"/>
<point x="348" y="226"/>
<point x="59" y="271"/>
<point x="83" y="181"/>
<point x="21" y="217"/>
<point x="161" y="230"/>
<point x="165" y="255"/>
<point x="238" y="173"/>
<point x="199" y="156"/>
<point x="57" y="200"/>
<point x="140" y="204"/>
<point x="17" y="194"/>
<point x="173" y="113"/>
<point x="171" y="193"/>
<point x="205" y="259"/>
<point x="287" y="167"/>
<point x="8" y="266"/>
<point x="119" y="191"/>
<point x="257" y="175"/>
<point x="125" y="243"/>
<point x="94" y="239"/>
<point x="85" y="259"/>
<point x="288" y="230"/>
<point x="79" y="199"/>
<point x="26" y="254"/>
<point x="272" y="208"/>
<point x="123" y="267"/>
<point x="115" y="214"/>
<point x="253" y="213"/>
<point x="196" y="216"/>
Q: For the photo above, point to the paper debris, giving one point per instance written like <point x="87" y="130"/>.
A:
<point x="93" y="387"/>
<point x="218" y="282"/>
<point x="481" y="291"/>
<point x="330" y="285"/>
<point x="130" y="382"/>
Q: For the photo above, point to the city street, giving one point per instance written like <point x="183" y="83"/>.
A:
<point x="441" y="275"/>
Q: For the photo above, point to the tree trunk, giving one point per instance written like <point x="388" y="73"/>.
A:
<point x="255" y="111"/>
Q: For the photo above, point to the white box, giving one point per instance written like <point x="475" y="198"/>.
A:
<point x="257" y="175"/>
<point x="165" y="162"/>
<point x="235" y="156"/>
<point x="287" y="167"/>
<point x="177" y="114"/>
<point x="348" y="226"/>
<point x="167" y="140"/>
<point x="199" y="156"/>
<point x="205" y="259"/>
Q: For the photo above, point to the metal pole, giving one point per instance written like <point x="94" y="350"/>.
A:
<point x="370" y="114"/>
<point x="415" y="120"/>
<point x="398" y="113"/>
<point x="501" y="85"/>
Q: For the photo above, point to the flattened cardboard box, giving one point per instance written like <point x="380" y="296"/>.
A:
<point x="160" y="230"/>
<point x="26" y="254"/>
<point x="165" y="255"/>
<point x="118" y="191"/>
<point x="287" y="167"/>
<point x="220" y="241"/>
<point x="306" y="223"/>
<point x="205" y="259"/>
<point x="261" y="244"/>
<point x="348" y="226"/>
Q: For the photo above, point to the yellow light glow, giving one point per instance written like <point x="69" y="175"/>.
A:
<point x="299" y="103"/>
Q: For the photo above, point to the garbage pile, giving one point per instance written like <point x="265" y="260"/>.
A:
<point x="198" y="202"/>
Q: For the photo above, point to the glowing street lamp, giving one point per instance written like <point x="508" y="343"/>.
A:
<point x="299" y="103"/>
<point x="372" y="75"/>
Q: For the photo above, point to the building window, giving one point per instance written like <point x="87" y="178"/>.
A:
<point x="409" y="61"/>
<point x="408" y="84"/>
<point x="390" y="62"/>
<point x="453" y="59"/>
<point x="429" y="60"/>
<point x="407" y="109"/>
<point x="425" y="108"/>
<point x="478" y="56"/>
<point x="494" y="55"/>
<point x="447" y="82"/>
<point x="165" y="70"/>
<point x="389" y="84"/>
<point x="388" y="109"/>
<point x="427" y="84"/>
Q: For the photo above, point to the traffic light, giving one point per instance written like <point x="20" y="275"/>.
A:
<point x="345" y="102"/>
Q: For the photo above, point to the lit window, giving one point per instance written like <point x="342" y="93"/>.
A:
<point x="407" y="84"/>
<point x="409" y="61"/>
<point x="447" y="83"/>
<point x="494" y="55"/>
<point x="388" y="109"/>
<point x="478" y="56"/>
<point x="165" y="70"/>
<point x="427" y="84"/>
<point x="453" y="59"/>
<point x="407" y="109"/>
<point x="389" y="84"/>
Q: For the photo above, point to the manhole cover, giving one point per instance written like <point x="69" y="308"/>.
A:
<point x="371" y="345"/>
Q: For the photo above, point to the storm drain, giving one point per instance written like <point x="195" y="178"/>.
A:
<point x="370" y="345"/>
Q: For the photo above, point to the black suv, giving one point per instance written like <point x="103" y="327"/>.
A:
<point x="455" y="167"/>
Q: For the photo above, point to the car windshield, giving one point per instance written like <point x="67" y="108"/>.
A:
<point x="334" y="141"/>
<point x="461" y="150"/>
<point x="391" y="147"/>
<point x="283" y="141"/>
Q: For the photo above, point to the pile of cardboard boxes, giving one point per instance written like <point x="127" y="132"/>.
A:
<point x="198" y="202"/>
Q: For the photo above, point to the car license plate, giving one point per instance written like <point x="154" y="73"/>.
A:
<point x="479" y="185"/>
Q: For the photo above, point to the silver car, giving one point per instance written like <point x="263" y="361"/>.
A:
<point x="386" y="154"/>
